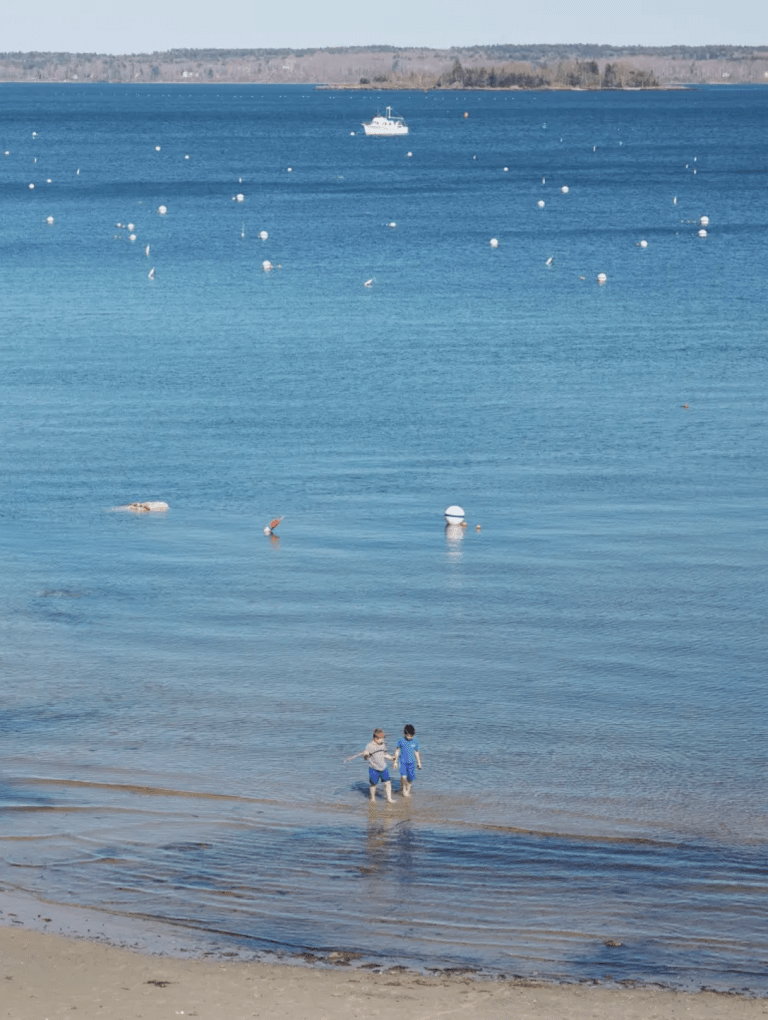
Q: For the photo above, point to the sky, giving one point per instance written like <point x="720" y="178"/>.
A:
<point x="145" y="26"/>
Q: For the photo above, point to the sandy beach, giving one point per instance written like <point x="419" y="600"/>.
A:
<point x="46" y="976"/>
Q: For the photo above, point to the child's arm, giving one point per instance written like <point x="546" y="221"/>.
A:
<point x="418" y="759"/>
<point x="360" y="754"/>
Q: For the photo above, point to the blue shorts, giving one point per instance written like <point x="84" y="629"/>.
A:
<point x="408" y="770"/>
<point x="374" y="775"/>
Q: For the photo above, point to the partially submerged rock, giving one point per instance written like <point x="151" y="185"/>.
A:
<point x="142" y="508"/>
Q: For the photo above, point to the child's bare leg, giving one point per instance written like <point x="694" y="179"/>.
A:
<point x="373" y="792"/>
<point x="405" y="786"/>
<point x="388" y="791"/>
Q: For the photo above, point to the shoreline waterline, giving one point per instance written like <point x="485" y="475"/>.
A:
<point x="51" y="975"/>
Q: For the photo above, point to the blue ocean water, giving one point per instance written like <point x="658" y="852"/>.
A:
<point x="586" y="672"/>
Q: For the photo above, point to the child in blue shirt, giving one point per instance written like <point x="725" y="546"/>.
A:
<point x="407" y="754"/>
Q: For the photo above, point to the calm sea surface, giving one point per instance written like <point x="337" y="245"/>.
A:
<point x="586" y="673"/>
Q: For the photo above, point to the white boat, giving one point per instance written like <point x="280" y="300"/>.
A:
<point x="389" y="125"/>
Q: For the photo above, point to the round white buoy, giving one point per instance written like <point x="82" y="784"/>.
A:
<point x="34" y="134"/>
<point x="239" y="197"/>
<point x="131" y="226"/>
<point x="266" y="265"/>
<point x="351" y="134"/>
<point x="601" y="278"/>
<point x="157" y="148"/>
<point x="263" y="235"/>
<point x="131" y="237"/>
<point x="186" y="157"/>
<point x="49" y="219"/>
<point x="565" y="189"/>
<point x="454" y="514"/>
<point x="704" y="221"/>
<point x="162" y="209"/>
<point x="48" y="180"/>
<point x="506" y="169"/>
<point x="540" y="203"/>
<point x="392" y="224"/>
<point x="702" y="233"/>
<point x="290" y="169"/>
<point x="494" y="242"/>
<point x="643" y="244"/>
<point x="7" y="152"/>
<point x="409" y="154"/>
<point x="31" y="187"/>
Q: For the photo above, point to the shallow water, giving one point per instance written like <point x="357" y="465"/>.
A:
<point x="586" y="672"/>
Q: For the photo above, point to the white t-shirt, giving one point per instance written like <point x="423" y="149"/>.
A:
<point x="375" y="754"/>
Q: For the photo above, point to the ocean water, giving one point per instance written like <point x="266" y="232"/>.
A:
<point x="586" y="672"/>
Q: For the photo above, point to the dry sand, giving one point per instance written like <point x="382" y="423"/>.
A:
<point x="43" y="977"/>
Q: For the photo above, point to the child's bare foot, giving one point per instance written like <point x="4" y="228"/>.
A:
<point x="405" y="792"/>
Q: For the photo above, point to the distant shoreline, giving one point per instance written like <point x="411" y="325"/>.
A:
<point x="380" y="87"/>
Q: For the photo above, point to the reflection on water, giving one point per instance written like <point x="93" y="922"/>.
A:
<point x="454" y="536"/>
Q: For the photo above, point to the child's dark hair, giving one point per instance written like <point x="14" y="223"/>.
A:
<point x="409" y="730"/>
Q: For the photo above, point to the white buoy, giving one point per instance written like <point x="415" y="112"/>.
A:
<point x="131" y="237"/>
<point x="31" y="187"/>
<point x="49" y="219"/>
<point x="392" y="224"/>
<point x="494" y="242"/>
<point x="543" y="180"/>
<point x="409" y="154"/>
<point x="290" y="169"/>
<point x="565" y="189"/>
<point x="702" y="233"/>
<point x="48" y="180"/>
<point x="34" y="134"/>
<point x="7" y="152"/>
<point x="157" y="148"/>
<point x="454" y="514"/>
<point x="540" y="203"/>
<point x="78" y="171"/>
<point x="643" y="244"/>
<point x="162" y="209"/>
<point x="704" y="221"/>
<point x="263" y="235"/>
<point x="266" y="265"/>
<point x="239" y="197"/>
<point x="186" y="157"/>
<point x="601" y="278"/>
<point x="352" y="134"/>
<point x="131" y="226"/>
<point x="506" y="169"/>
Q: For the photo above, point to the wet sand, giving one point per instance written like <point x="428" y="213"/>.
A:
<point x="48" y="976"/>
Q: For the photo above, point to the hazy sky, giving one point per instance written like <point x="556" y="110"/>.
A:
<point x="134" y="26"/>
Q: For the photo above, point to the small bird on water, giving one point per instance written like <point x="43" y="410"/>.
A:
<point x="272" y="525"/>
